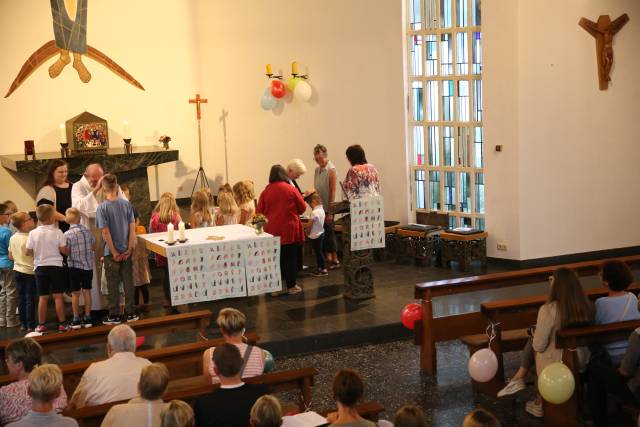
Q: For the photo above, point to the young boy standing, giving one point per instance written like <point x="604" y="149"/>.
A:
<point x="46" y="243"/>
<point x="7" y="281"/>
<point x="81" y="261"/>
<point x="115" y="219"/>
<point x="316" y="233"/>
<point x="23" y="269"/>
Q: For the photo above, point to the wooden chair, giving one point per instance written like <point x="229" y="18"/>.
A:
<point x="432" y="330"/>
<point x="182" y="361"/>
<point x="197" y="320"/>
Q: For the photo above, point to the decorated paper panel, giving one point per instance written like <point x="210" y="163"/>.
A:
<point x="367" y="223"/>
<point x="206" y="271"/>
<point x="262" y="260"/>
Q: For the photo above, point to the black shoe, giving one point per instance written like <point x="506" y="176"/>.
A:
<point x="76" y="324"/>
<point x="132" y="317"/>
<point x="112" y="320"/>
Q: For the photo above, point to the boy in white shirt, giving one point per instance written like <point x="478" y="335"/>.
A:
<point x="47" y="244"/>
<point x="316" y="232"/>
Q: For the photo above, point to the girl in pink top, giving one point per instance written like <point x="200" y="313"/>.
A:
<point x="165" y="212"/>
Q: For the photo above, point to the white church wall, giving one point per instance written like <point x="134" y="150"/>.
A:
<point x="352" y="51"/>
<point x="353" y="54"/>
<point x="574" y="159"/>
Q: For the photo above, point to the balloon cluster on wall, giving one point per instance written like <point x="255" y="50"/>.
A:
<point x="277" y="89"/>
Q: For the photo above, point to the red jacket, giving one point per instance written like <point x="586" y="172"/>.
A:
<point x="282" y="204"/>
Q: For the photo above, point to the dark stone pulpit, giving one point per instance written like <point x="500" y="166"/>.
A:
<point x="356" y="265"/>
<point x="131" y="169"/>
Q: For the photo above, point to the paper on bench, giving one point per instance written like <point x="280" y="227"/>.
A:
<point x="304" y="419"/>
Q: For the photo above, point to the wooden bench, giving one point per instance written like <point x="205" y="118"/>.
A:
<point x="511" y="318"/>
<point x="197" y="320"/>
<point x="188" y="389"/>
<point x="432" y="330"/>
<point x="182" y="361"/>
<point x="570" y="339"/>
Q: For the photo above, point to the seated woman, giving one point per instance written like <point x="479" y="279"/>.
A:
<point x="231" y="323"/>
<point x="618" y="306"/>
<point x="347" y="391"/>
<point x="266" y="412"/>
<point x="567" y="306"/>
<point x="22" y="356"/>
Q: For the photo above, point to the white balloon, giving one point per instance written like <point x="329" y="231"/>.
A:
<point x="303" y="91"/>
<point x="268" y="101"/>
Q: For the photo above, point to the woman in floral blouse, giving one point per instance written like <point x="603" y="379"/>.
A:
<point x="362" y="178"/>
<point x="22" y="355"/>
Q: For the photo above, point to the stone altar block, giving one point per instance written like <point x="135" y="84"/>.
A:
<point x="131" y="169"/>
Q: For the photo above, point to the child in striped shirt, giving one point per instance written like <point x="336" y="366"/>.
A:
<point x="81" y="259"/>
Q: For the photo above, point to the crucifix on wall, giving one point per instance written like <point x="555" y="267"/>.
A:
<point x="603" y="31"/>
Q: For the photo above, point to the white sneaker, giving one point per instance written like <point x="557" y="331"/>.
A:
<point x="534" y="408"/>
<point x="514" y="386"/>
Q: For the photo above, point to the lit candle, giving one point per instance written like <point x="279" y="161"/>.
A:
<point x="181" y="231"/>
<point x="63" y="133"/>
<point x="294" y="67"/>
<point x="170" y="238"/>
<point x="269" y="70"/>
<point x="125" y="134"/>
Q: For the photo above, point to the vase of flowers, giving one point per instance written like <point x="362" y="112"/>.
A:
<point x="165" y="139"/>
<point x="258" y="221"/>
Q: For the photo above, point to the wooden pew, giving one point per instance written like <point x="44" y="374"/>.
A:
<point x="182" y="361"/>
<point x="511" y="318"/>
<point x="196" y="320"/>
<point x="569" y="339"/>
<point x="188" y="389"/>
<point x="432" y="330"/>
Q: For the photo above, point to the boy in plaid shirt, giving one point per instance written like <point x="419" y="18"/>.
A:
<point x="81" y="259"/>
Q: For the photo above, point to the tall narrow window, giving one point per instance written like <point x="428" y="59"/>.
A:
<point x="444" y="71"/>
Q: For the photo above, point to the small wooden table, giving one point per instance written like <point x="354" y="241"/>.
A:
<point x="463" y="248"/>
<point x="416" y="242"/>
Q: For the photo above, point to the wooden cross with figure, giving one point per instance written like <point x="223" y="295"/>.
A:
<point x="201" y="177"/>
<point x="198" y="101"/>
<point x="603" y="31"/>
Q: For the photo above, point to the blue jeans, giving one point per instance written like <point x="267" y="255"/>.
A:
<point x="26" y="284"/>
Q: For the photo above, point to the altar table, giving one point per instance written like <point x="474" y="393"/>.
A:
<point x="227" y="261"/>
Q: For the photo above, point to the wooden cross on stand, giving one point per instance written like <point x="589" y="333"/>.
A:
<point x="198" y="101"/>
<point x="603" y="31"/>
<point x="201" y="177"/>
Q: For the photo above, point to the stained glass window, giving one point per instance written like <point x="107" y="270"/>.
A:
<point x="444" y="68"/>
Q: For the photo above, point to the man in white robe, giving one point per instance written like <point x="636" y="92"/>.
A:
<point x="86" y="195"/>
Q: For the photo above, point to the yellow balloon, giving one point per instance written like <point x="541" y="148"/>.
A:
<point x="556" y="383"/>
<point x="292" y="82"/>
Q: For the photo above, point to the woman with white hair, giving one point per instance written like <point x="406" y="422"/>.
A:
<point x="295" y="169"/>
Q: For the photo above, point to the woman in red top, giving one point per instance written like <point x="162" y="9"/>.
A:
<point x="282" y="204"/>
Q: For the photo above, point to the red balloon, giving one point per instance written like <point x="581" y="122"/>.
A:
<point x="410" y="314"/>
<point x="278" y="89"/>
<point x="139" y="341"/>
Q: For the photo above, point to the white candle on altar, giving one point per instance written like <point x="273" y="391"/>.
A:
<point x="170" y="238"/>
<point x="125" y="134"/>
<point x="63" y="133"/>
<point x="181" y="231"/>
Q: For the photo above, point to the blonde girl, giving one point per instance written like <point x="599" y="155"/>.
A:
<point x="244" y="194"/>
<point x="228" y="212"/>
<point x="200" y="210"/>
<point x="165" y="212"/>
